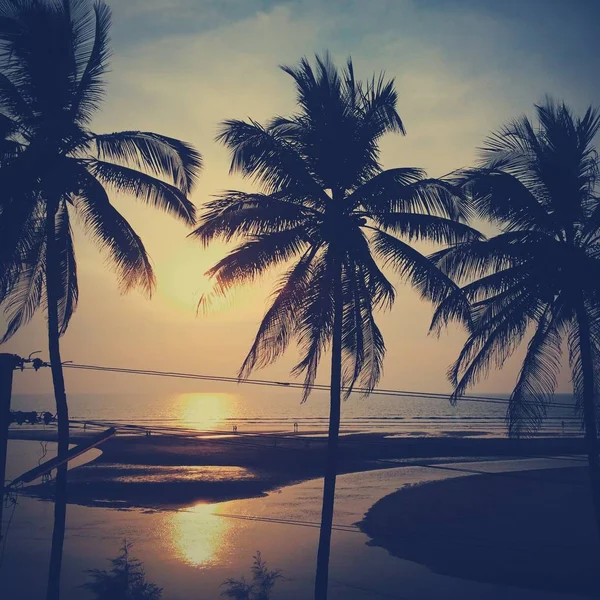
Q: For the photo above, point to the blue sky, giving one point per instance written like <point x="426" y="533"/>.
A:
<point x="462" y="68"/>
<point x="483" y="34"/>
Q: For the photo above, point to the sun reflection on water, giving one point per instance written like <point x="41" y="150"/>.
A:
<point x="199" y="537"/>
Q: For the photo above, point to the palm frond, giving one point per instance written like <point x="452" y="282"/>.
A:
<point x="380" y="116"/>
<point x="21" y="224"/>
<point x="482" y="311"/>
<point x="26" y="294"/>
<point x="426" y="227"/>
<point x="114" y="234"/>
<point x="268" y="158"/>
<point x="14" y="102"/>
<point x="362" y="342"/>
<point x="492" y="344"/>
<point x="69" y="292"/>
<point x="412" y="266"/>
<point x="381" y="192"/>
<point x="238" y="214"/>
<point x="476" y="259"/>
<point x="91" y="85"/>
<point x="278" y="324"/>
<point x="377" y="286"/>
<point x="512" y="148"/>
<point x="353" y="339"/>
<point x="502" y="198"/>
<point x="162" y="156"/>
<point x="252" y="258"/>
<point x="539" y="185"/>
<point x="45" y="79"/>
<point x="537" y="378"/>
<point x="592" y="316"/>
<point x="317" y="93"/>
<point x="408" y="191"/>
<point x="144" y="187"/>
<point x="566" y="163"/>
<point x="340" y="121"/>
<point x="314" y="322"/>
<point x="477" y="301"/>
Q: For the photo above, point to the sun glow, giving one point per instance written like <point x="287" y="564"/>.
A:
<point x="205" y="411"/>
<point x="181" y="284"/>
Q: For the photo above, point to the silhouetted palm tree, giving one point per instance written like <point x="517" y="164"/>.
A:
<point x="53" y="58"/>
<point x="327" y="205"/>
<point x="541" y="274"/>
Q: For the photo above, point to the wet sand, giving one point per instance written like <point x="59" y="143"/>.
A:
<point x="532" y="529"/>
<point x="179" y="470"/>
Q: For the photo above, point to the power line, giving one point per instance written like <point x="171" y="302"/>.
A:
<point x="413" y="533"/>
<point x="521" y="475"/>
<point x="294" y="385"/>
<point x="280" y="521"/>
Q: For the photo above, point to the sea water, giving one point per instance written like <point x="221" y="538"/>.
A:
<point x="254" y="409"/>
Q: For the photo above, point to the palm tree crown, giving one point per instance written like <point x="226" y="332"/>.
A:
<point x="327" y="205"/>
<point x="53" y="58"/>
<point x="541" y="273"/>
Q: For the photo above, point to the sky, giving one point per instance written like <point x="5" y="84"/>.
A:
<point x="179" y="67"/>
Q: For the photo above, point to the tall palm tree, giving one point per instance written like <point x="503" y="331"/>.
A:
<point x="541" y="274"/>
<point x="53" y="58"/>
<point x="328" y="211"/>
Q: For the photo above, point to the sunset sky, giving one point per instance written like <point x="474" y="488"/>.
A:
<point x="462" y="68"/>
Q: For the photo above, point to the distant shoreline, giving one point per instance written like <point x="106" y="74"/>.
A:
<point x="170" y="471"/>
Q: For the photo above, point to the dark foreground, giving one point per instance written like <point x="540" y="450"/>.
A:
<point x="531" y="529"/>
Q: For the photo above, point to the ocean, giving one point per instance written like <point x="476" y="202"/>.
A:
<point x="257" y="409"/>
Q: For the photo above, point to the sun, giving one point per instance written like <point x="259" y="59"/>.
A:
<point x="204" y="411"/>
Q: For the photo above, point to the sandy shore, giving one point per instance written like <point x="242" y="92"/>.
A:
<point x="532" y="529"/>
<point x="179" y="470"/>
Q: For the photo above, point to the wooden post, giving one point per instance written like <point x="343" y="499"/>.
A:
<point x="8" y="362"/>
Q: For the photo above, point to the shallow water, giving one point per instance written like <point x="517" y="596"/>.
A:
<point x="190" y="552"/>
<point x="24" y="455"/>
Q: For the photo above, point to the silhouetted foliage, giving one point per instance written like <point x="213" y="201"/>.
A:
<point x="261" y="586"/>
<point x="126" y="580"/>
<point x="541" y="274"/>
<point x="327" y="206"/>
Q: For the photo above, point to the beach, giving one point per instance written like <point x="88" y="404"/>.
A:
<point x="135" y="470"/>
<point x="533" y="529"/>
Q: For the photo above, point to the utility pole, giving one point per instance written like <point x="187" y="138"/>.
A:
<point x="8" y="363"/>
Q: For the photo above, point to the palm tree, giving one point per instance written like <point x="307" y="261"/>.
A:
<point x="53" y="58"/>
<point x="541" y="273"/>
<point x="328" y="211"/>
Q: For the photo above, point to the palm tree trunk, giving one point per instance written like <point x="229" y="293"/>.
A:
<point x="60" y="501"/>
<point x="589" y="410"/>
<point x="322" y="575"/>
